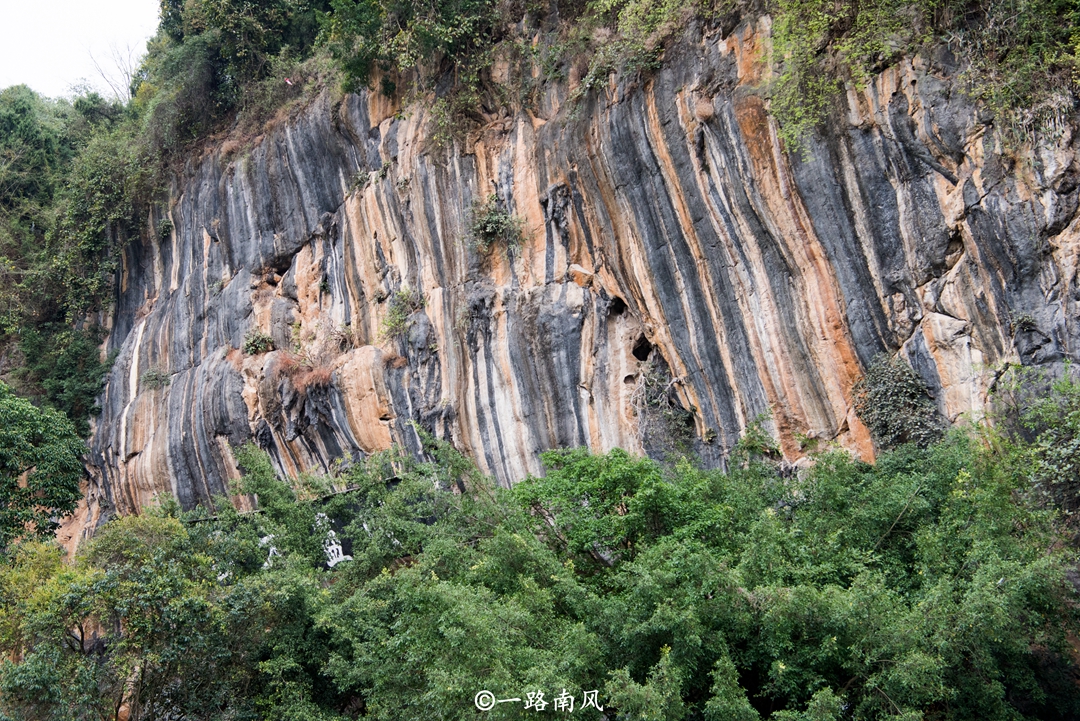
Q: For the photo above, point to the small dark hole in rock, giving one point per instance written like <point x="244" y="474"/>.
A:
<point x="642" y="348"/>
<point x="617" y="306"/>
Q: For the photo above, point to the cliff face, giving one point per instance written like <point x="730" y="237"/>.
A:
<point x="680" y="276"/>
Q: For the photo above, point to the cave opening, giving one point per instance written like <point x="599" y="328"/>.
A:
<point x="642" y="348"/>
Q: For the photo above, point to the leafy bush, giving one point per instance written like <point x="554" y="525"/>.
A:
<point x="491" y="225"/>
<point x="1023" y="62"/>
<point x="164" y="230"/>
<point x="67" y="180"/>
<point x="263" y="100"/>
<point x="40" y="468"/>
<point x="403" y="304"/>
<point x="895" y="405"/>
<point x="251" y="31"/>
<point x="155" y="377"/>
<point x="64" y="370"/>
<point x="408" y="34"/>
<point x="257" y="341"/>
<point x="1040" y="418"/>
<point x="634" y="33"/>
<point x="33" y="146"/>
<point x="1022" y="55"/>
<point x="185" y="90"/>
<point x="100" y="208"/>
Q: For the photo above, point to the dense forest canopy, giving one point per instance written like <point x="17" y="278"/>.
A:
<point x="934" y="584"/>
<point x="938" y="583"/>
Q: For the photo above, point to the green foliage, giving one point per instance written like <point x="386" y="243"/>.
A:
<point x="398" y="319"/>
<point x="1040" y="416"/>
<point x="354" y="32"/>
<point x="660" y="697"/>
<point x="33" y="147"/>
<point x="99" y="210"/>
<point x="68" y="183"/>
<point x="636" y="31"/>
<point x="40" y="468"/>
<point x="408" y="34"/>
<point x="40" y="140"/>
<point x="251" y="31"/>
<point x="164" y="230"/>
<point x="262" y="100"/>
<point x="183" y="92"/>
<point x="257" y="341"/>
<point x="820" y="45"/>
<point x="603" y="506"/>
<point x="491" y="225"/>
<point x="894" y="404"/>
<point x="1024" y="63"/>
<point x="922" y="585"/>
<point x="64" y="370"/>
<point x="1022" y="55"/>
<point x="154" y="378"/>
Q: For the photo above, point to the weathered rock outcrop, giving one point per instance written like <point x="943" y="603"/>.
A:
<point x="673" y="251"/>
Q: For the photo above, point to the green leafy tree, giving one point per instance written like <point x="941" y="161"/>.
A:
<point x="40" y="468"/>
<point x="251" y="31"/>
<point x="408" y="35"/>
<point x="64" y="370"/>
<point x="895" y="405"/>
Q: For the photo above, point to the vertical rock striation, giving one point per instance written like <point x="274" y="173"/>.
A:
<point x="680" y="277"/>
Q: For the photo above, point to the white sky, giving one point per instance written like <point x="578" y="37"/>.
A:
<point x="47" y="44"/>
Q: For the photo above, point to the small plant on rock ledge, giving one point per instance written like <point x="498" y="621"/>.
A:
<point x="492" y="225"/>
<point x="154" y="378"/>
<point x="403" y="304"/>
<point x="894" y="403"/>
<point x="164" y="229"/>
<point x="257" y="341"/>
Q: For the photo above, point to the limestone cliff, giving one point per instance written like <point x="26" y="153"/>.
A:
<point x="677" y="263"/>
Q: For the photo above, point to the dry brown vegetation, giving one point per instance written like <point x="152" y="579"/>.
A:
<point x="303" y="373"/>
<point x="392" y="360"/>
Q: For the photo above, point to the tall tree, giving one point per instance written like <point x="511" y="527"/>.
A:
<point x="40" y="468"/>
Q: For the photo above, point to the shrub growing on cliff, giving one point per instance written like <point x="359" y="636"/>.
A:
<point x="40" y="468"/>
<point x="1022" y="55"/>
<point x="101" y="208"/>
<point x="155" y="378"/>
<point x="258" y="341"/>
<point x="1040" y="418"/>
<point x="408" y="35"/>
<point x="895" y="405"/>
<point x="491" y="225"/>
<point x="403" y="304"/>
